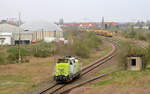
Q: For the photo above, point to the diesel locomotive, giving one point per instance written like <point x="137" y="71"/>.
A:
<point x="67" y="69"/>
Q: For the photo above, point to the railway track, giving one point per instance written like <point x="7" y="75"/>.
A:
<point x="87" y="81"/>
<point x="52" y="89"/>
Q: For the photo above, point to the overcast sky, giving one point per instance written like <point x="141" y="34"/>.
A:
<point x="76" y="10"/>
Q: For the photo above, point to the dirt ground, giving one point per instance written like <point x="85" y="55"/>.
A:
<point x="110" y="90"/>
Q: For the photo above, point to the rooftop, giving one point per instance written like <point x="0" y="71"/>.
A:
<point x="40" y="26"/>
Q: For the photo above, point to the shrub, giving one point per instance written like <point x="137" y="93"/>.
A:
<point x="86" y="43"/>
<point x="2" y="59"/>
<point x="81" y="46"/>
<point x="14" y="51"/>
<point x="147" y="55"/>
<point x="14" y="54"/>
<point x="138" y="34"/>
<point x="132" y="48"/>
<point x="42" y="53"/>
<point x="81" y="49"/>
<point x="43" y="50"/>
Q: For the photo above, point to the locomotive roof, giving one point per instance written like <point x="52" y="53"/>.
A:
<point x="68" y="57"/>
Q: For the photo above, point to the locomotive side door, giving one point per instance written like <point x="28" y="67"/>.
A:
<point x="71" y="67"/>
<point x="74" y="66"/>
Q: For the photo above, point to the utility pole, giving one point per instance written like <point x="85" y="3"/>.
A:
<point x="19" y="54"/>
<point x="42" y="34"/>
<point x="103" y="27"/>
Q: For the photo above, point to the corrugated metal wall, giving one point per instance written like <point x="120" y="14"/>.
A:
<point x="40" y="35"/>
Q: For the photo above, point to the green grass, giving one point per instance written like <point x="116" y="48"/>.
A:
<point x="2" y="59"/>
<point x="105" y="82"/>
<point x="106" y="48"/>
<point x="126" y="79"/>
<point x="108" y="69"/>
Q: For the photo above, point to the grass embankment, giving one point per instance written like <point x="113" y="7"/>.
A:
<point x="21" y="78"/>
<point x="124" y="80"/>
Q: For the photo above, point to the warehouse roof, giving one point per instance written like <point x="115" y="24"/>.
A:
<point x="40" y="25"/>
<point x="9" y="28"/>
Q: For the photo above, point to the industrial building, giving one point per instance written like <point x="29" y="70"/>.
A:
<point x="9" y="28"/>
<point x="25" y="37"/>
<point x="42" y="29"/>
<point x="6" y="38"/>
<point x="28" y="32"/>
<point x="9" y="35"/>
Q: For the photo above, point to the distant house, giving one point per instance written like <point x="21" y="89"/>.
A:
<point x="82" y="25"/>
<point x="87" y="25"/>
<point x="107" y="25"/>
<point x="11" y="22"/>
<point x="71" y="24"/>
<point x="142" y="25"/>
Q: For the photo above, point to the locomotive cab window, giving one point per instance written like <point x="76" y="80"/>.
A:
<point x="73" y="61"/>
<point x="70" y="62"/>
<point x="62" y="61"/>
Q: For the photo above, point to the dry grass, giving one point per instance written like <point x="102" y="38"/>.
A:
<point x="21" y="78"/>
<point x="121" y="82"/>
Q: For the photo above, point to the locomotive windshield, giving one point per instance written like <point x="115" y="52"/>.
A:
<point x="62" y="61"/>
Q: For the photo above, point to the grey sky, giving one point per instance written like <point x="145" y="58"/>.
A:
<point x="76" y="10"/>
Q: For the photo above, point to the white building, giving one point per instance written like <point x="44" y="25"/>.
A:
<point x="37" y="30"/>
<point x="6" y="38"/>
<point x="43" y="29"/>
<point x="7" y="29"/>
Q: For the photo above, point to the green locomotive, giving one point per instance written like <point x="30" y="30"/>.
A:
<point x="67" y="68"/>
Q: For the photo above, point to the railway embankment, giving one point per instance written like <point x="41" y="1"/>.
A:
<point x="123" y="81"/>
<point x="88" y="72"/>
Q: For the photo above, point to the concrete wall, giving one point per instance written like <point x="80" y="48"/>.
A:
<point x="40" y="35"/>
<point x="27" y="35"/>
<point x="23" y="36"/>
<point x="139" y="63"/>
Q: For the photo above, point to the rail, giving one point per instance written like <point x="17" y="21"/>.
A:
<point x="56" y="87"/>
